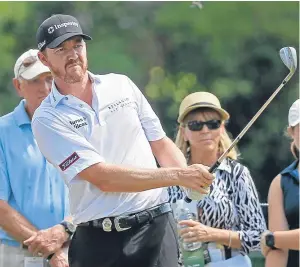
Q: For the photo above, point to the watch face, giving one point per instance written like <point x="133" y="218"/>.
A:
<point x="270" y="240"/>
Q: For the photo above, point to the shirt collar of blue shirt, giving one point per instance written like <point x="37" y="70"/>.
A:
<point x="21" y="115"/>
<point x="292" y="170"/>
<point x="56" y="96"/>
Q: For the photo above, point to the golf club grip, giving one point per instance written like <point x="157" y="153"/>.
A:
<point x="214" y="167"/>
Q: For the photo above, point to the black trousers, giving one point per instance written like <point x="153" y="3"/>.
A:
<point x="153" y="244"/>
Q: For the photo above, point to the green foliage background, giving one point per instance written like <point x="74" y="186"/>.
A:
<point x="171" y="49"/>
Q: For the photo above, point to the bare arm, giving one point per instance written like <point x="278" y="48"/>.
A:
<point x="167" y="153"/>
<point x="202" y="233"/>
<point x="18" y="227"/>
<point x="14" y="223"/>
<point x="49" y="241"/>
<point x="91" y="166"/>
<point x="114" y="178"/>
<point x="277" y="222"/>
<point x="223" y="237"/>
<point x="287" y="239"/>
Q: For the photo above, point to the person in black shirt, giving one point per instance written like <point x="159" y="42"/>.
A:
<point x="280" y="246"/>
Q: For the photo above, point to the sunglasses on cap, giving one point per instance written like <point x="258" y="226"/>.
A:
<point x="27" y="62"/>
<point x="198" y="125"/>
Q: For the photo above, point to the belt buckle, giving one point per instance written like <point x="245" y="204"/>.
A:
<point x="117" y="224"/>
<point x="106" y="225"/>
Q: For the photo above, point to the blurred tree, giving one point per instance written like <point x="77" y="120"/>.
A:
<point x="231" y="49"/>
<point x="227" y="48"/>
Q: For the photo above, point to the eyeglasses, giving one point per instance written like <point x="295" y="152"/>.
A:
<point x="27" y="62"/>
<point x="198" y="125"/>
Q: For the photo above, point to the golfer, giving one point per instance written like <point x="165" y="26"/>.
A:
<point x="102" y="135"/>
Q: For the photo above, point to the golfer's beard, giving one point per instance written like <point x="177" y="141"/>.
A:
<point x="70" y="77"/>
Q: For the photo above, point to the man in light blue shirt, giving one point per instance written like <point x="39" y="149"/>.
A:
<point x="32" y="194"/>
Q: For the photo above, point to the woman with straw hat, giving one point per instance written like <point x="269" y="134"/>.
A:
<point x="230" y="217"/>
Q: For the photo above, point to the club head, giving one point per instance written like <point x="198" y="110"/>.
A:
<point x="289" y="57"/>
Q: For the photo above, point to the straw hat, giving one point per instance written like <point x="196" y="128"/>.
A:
<point x="200" y="100"/>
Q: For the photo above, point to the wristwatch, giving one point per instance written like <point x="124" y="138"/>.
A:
<point x="69" y="228"/>
<point x="270" y="240"/>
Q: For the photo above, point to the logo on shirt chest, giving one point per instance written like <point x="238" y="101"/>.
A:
<point x="115" y="106"/>
<point x="78" y="123"/>
<point x="69" y="161"/>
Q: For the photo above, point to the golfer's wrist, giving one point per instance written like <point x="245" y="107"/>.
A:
<point x="64" y="236"/>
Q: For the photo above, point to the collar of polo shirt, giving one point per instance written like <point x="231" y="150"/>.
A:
<point x="56" y="96"/>
<point x="21" y="115"/>
<point x="224" y="166"/>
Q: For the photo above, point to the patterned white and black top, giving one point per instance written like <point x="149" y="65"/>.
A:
<point x="232" y="204"/>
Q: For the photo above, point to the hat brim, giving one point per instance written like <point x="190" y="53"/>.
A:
<point x="56" y="42"/>
<point x="35" y="70"/>
<point x="224" y="114"/>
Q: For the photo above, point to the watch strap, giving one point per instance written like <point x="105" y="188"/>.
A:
<point x="68" y="229"/>
<point x="270" y="241"/>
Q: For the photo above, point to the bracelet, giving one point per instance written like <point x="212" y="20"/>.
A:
<point x="50" y="257"/>
<point x="229" y="245"/>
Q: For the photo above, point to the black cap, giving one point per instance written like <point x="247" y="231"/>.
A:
<point x="56" y="29"/>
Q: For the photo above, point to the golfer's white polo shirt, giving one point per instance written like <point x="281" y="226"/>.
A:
<point x="116" y="129"/>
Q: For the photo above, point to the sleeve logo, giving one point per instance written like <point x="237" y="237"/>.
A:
<point x="69" y="161"/>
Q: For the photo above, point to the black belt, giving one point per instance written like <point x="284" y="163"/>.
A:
<point x="124" y="222"/>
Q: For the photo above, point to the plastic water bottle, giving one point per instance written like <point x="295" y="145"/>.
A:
<point x="186" y="214"/>
<point x="192" y="253"/>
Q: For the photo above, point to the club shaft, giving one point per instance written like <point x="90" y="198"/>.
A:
<point x="238" y="138"/>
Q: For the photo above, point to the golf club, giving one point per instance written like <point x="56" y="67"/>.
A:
<point x="289" y="57"/>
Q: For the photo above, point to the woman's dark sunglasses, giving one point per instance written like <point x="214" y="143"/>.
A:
<point x="198" y="125"/>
